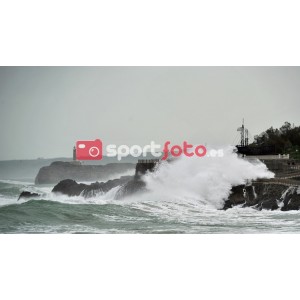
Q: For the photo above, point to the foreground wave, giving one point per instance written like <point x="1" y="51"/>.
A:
<point x="48" y="216"/>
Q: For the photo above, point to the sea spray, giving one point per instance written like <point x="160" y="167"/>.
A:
<point x="207" y="179"/>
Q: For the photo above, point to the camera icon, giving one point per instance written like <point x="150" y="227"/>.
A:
<point x="89" y="150"/>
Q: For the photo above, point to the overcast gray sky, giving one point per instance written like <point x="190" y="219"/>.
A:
<point x="44" y="110"/>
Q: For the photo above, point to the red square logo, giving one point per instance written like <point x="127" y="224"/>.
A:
<point x="89" y="150"/>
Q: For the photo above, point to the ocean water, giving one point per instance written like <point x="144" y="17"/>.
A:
<point x="183" y="197"/>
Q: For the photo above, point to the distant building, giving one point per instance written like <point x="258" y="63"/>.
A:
<point x="74" y="153"/>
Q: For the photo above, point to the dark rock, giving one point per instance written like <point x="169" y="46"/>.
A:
<point x="26" y="194"/>
<point x="259" y="195"/>
<point x="103" y="187"/>
<point x="268" y="195"/>
<point x="128" y="184"/>
<point x="59" y="171"/>
<point x="265" y="191"/>
<point x="227" y="205"/>
<point x="241" y="195"/>
<point x="137" y="185"/>
<point x="250" y="195"/>
<point x="130" y="188"/>
<point x="291" y="199"/>
<point x="237" y="195"/>
<point x="70" y="187"/>
<point x="270" y="204"/>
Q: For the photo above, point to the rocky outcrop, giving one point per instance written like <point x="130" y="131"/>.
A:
<point x="128" y="184"/>
<point x="291" y="199"/>
<point x="264" y="196"/>
<point x="268" y="195"/>
<point x="144" y="166"/>
<point x="241" y="195"/>
<point x="59" y="171"/>
<point x="269" y="204"/>
<point x="26" y="194"/>
<point x="70" y="187"/>
<point x="132" y="187"/>
<point x="137" y="184"/>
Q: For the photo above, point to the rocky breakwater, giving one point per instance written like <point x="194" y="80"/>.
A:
<point x="59" y="170"/>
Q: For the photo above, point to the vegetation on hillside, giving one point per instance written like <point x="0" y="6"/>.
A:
<point x="286" y="139"/>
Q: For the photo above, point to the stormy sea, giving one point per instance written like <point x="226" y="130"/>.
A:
<point x="185" y="196"/>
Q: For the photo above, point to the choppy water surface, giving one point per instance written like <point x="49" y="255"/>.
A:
<point x="140" y="214"/>
<point x="185" y="196"/>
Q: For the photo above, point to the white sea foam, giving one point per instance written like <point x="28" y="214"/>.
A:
<point x="207" y="179"/>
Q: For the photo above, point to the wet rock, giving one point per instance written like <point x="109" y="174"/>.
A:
<point x="103" y="187"/>
<point x="241" y="195"/>
<point x="268" y="195"/>
<point x="270" y="204"/>
<point x="237" y="195"/>
<point x="130" y="188"/>
<point x="291" y="199"/>
<point x="227" y="205"/>
<point x="137" y="185"/>
<point x="129" y="185"/>
<point x="26" y="194"/>
<point x="266" y="191"/>
<point x="261" y="195"/>
<point x="60" y="170"/>
<point x="70" y="187"/>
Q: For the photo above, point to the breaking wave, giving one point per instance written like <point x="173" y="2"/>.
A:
<point x="208" y="179"/>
